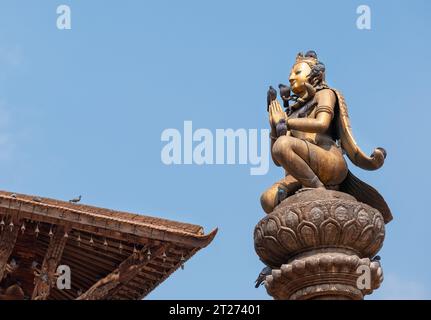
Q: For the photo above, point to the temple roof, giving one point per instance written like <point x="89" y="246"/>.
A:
<point x="133" y="253"/>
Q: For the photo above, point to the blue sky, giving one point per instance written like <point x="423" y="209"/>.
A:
<point x="82" y="112"/>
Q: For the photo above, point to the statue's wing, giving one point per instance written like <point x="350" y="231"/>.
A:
<point x="348" y="143"/>
<point x="366" y="194"/>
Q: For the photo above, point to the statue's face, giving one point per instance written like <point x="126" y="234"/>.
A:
<point x="298" y="77"/>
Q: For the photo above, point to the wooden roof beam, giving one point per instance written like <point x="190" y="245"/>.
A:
<point x="105" y="226"/>
<point x="128" y="269"/>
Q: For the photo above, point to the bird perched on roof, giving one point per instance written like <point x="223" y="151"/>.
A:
<point x="13" y="195"/>
<point x="262" y="276"/>
<point x="75" y="200"/>
<point x="37" y="199"/>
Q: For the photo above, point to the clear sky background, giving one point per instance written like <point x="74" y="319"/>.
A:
<point x="82" y="112"/>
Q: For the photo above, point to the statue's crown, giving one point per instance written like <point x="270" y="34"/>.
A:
<point x="310" y="57"/>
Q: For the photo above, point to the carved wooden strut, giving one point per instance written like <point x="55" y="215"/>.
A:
<point x="7" y="243"/>
<point x="46" y="278"/>
<point x="127" y="270"/>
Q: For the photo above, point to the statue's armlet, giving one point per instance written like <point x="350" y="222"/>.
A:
<point x="326" y="102"/>
<point x="324" y="113"/>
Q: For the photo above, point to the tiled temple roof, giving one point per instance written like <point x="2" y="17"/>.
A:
<point x="99" y="243"/>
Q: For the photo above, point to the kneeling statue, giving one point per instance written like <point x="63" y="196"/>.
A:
<point x="311" y="135"/>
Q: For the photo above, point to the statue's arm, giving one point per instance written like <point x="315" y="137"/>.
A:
<point x="324" y="113"/>
<point x="275" y="110"/>
<point x="273" y="139"/>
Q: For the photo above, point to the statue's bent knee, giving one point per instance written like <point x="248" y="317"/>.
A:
<point x="282" y="146"/>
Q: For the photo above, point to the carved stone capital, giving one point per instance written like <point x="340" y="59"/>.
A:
<point x="318" y="219"/>
<point x="325" y="275"/>
<point x="317" y="243"/>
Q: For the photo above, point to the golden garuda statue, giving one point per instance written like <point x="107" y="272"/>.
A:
<point x="310" y="136"/>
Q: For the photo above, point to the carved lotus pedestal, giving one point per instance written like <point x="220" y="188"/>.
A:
<point x="320" y="245"/>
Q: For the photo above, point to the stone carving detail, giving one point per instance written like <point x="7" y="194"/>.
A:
<point x="315" y="241"/>
<point x="323" y="275"/>
<point x="329" y="219"/>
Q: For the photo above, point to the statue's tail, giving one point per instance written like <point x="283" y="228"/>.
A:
<point x="348" y="143"/>
<point x="366" y="194"/>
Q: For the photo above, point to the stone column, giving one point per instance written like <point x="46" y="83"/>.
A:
<point x="321" y="244"/>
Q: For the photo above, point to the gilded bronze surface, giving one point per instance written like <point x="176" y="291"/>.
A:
<point x="310" y="136"/>
<point x="324" y="225"/>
